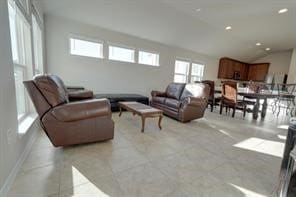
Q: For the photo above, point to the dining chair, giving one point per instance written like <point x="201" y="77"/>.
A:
<point x="229" y="98"/>
<point x="250" y="101"/>
<point x="285" y="99"/>
<point x="212" y="101"/>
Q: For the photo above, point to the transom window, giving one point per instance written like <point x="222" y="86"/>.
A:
<point x="121" y="54"/>
<point x="86" y="48"/>
<point x="187" y="72"/>
<point x="148" y="58"/>
<point x="90" y="48"/>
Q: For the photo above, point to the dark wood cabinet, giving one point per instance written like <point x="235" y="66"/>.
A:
<point x="258" y="72"/>
<point x="234" y="69"/>
<point x="226" y="69"/>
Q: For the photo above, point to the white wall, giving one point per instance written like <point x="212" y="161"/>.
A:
<point x="279" y="62"/>
<point x="104" y="76"/>
<point x="292" y="69"/>
<point x="10" y="150"/>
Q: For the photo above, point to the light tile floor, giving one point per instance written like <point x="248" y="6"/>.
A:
<point x="213" y="156"/>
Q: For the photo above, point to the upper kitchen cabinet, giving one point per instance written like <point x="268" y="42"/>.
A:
<point x="237" y="70"/>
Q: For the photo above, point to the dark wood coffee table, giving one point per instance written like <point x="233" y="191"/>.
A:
<point x="145" y="111"/>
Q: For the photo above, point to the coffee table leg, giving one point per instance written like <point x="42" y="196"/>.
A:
<point x="143" y="123"/>
<point x="120" y="110"/>
<point x="159" y="122"/>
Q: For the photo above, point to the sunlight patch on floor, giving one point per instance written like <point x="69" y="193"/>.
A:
<point x="282" y="137"/>
<point x="220" y="130"/>
<point x="262" y="146"/>
<point x="284" y="126"/>
<point x="84" y="189"/>
<point x="224" y="132"/>
<point x="247" y="192"/>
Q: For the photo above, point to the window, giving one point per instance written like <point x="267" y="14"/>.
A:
<point x="37" y="46"/>
<point x="148" y="58"/>
<point x="121" y="54"/>
<point x="25" y="5"/>
<point x="186" y="72"/>
<point x="181" y="71"/>
<point x="197" y="72"/>
<point x="86" y="48"/>
<point x="21" y="53"/>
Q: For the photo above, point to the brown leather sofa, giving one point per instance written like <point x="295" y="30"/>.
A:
<point x="184" y="102"/>
<point x="68" y="123"/>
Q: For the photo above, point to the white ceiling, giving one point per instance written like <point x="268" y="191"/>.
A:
<point x="176" y="23"/>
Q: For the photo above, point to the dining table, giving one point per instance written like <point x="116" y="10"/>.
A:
<point x="257" y="97"/>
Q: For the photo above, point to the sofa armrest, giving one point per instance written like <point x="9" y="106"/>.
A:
<point x="158" y="93"/>
<point x="192" y="108"/>
<point x="194" y="101"/>
<point x="82" y="110"/>
<point x="80" y="95"/>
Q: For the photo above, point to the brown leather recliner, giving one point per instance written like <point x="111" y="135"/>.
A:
<point x="67" y="123"/>
<point x="184" y="102"/>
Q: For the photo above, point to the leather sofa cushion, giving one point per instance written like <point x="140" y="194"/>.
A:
<point x="80" y="110"/>
<point x="195" y="90"/>
<point x="52" y="88"/>
<point x="173" y="103"/>
<point x="158" y="99"/>
<point x="165" y="108"/>
<point x="174" y="90"/>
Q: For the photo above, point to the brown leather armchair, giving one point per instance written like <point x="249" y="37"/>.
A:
<point x="184" y="102"/>
<point x="67" y="123"/>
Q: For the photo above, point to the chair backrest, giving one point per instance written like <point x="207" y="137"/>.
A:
<point x="286" y="89"/>
<point x="52" y="88"/>
<point x="254" y="87"/>
<point x="229" y="91"/>
<point x="174" y="90"/>
<point x="267" y="87"/>
<point x="40" y="103"/>
<point x="212" y="87"/>
<point x="46" y="91"/>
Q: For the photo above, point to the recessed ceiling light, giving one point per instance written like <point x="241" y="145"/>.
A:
<point x="283" y="10"/>
<point x="258" y="44"/>
<point x="228" y="28"/>
<point x="267" y="49"/>
<point x="198" y="9"/>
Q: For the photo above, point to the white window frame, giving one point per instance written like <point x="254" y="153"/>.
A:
<point x="152" y="52"/>
<point x="123" y="47"/>
<point x="87" y="39"/>
<point x="189" y="72"/>
<point x="25" y="4"/>
<point x="27" y="109"/>
<point x="24" y="61"/>
<point x="182" y="74"/>
<point x="193" y="75"/>
<point x="37" y="43"/>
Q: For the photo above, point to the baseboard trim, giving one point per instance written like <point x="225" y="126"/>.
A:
<point x="10" y="179"/>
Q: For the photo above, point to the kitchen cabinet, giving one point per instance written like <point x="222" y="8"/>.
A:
<point x="237" y="70"/>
